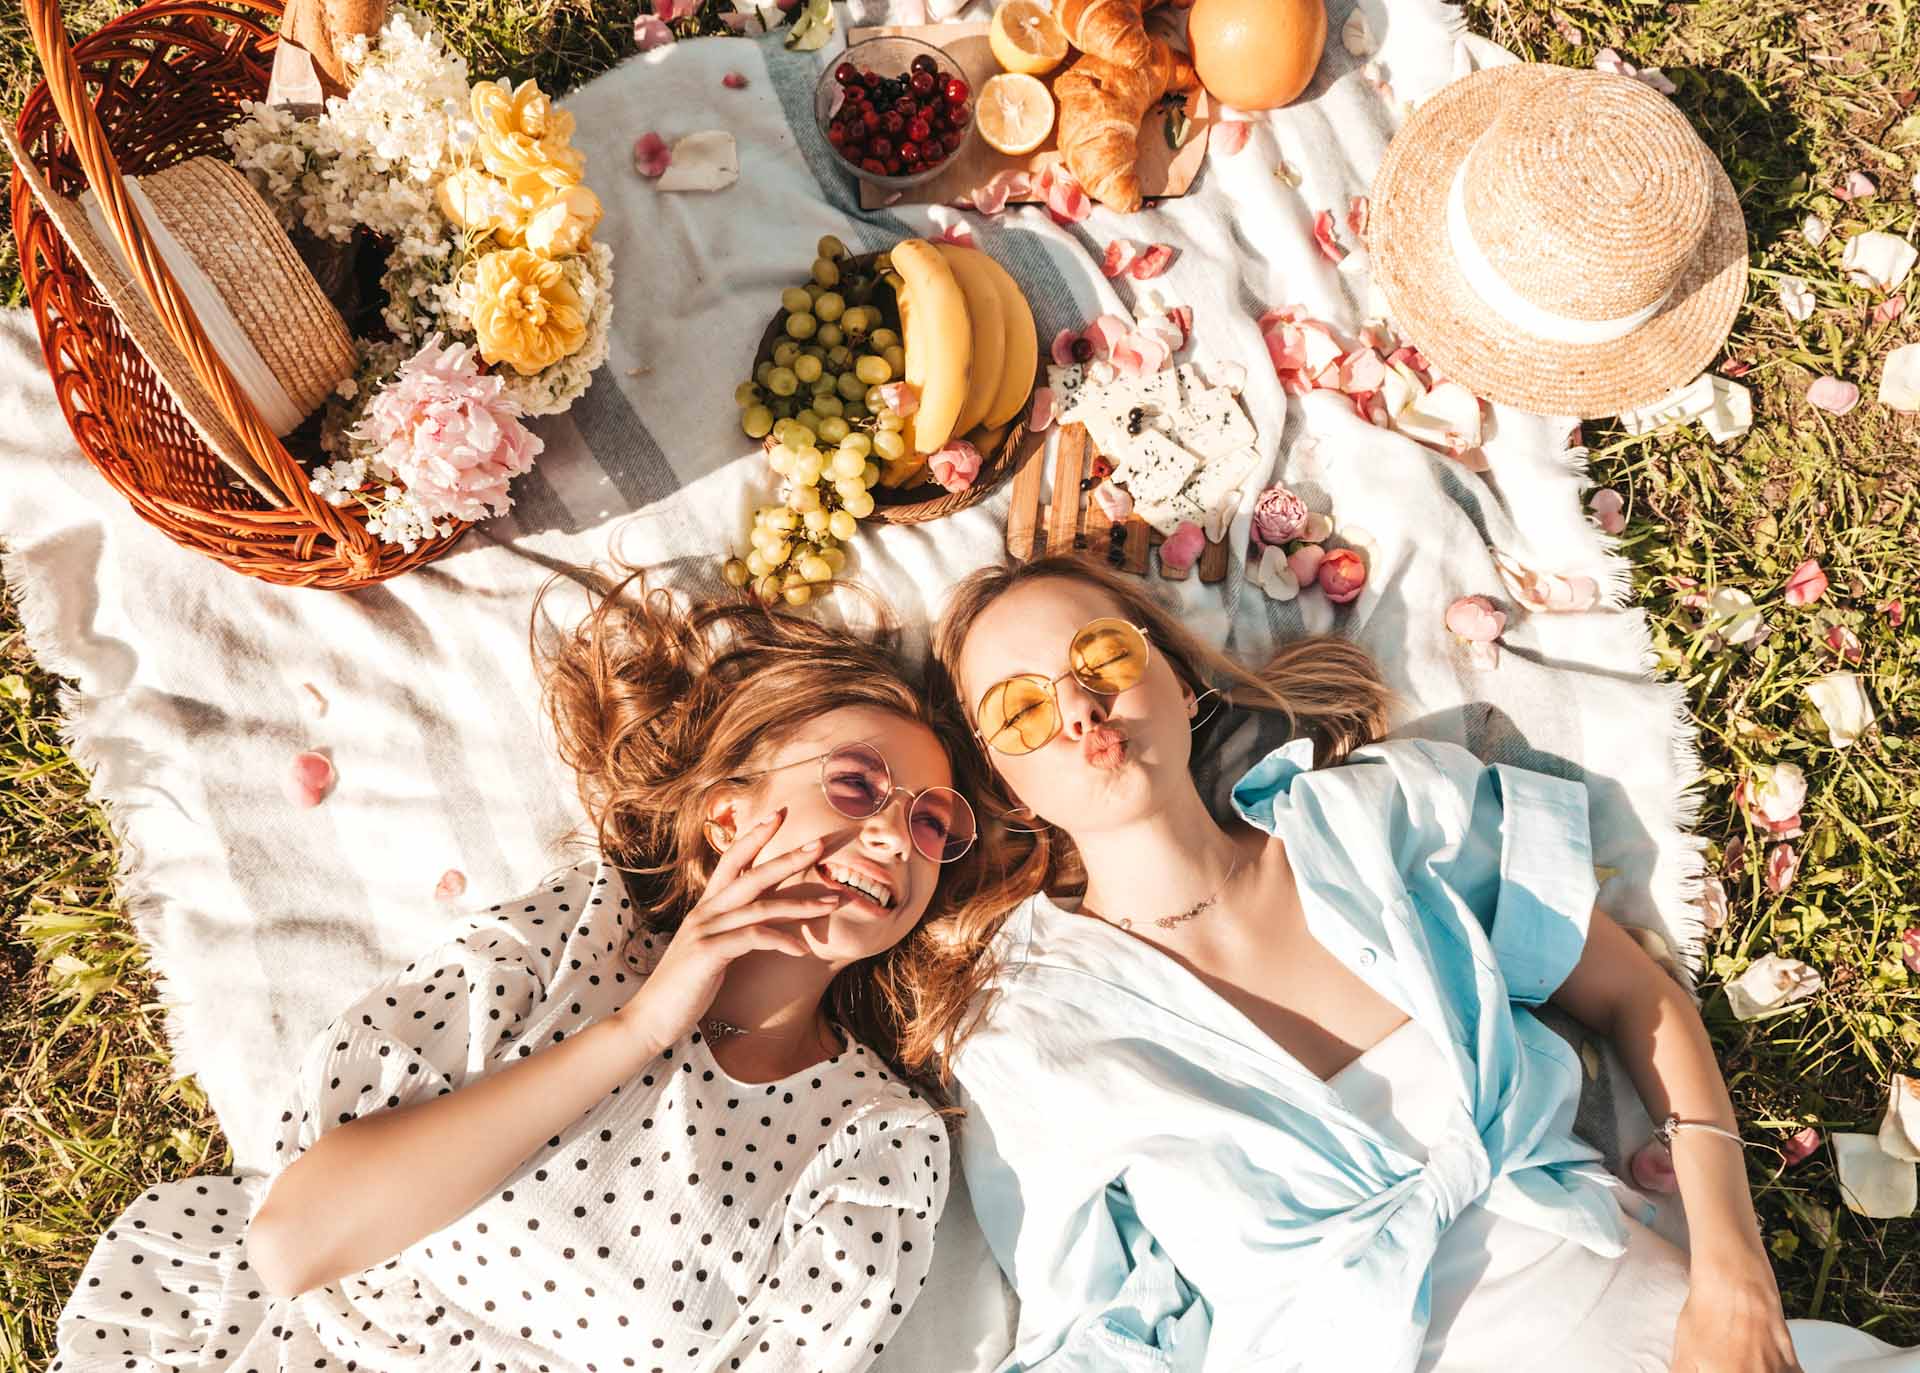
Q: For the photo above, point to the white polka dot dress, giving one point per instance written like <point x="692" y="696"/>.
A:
<point x="686" y="1222"/>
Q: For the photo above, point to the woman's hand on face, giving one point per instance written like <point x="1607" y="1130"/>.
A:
<point x="738" y="913"/>
<point x="1732" y="1321"/>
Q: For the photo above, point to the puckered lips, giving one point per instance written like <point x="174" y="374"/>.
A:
<point x="1105" y="747"/>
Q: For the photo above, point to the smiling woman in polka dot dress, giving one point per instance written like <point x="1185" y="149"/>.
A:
<point x="649" y="1116"/>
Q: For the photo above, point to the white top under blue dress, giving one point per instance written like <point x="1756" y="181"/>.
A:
<point x="1169" y="1190"/>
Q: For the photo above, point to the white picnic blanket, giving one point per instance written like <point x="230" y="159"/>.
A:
<point x="263" y="919"/>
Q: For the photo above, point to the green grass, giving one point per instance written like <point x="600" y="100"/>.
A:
<point x="1791" y="97"/>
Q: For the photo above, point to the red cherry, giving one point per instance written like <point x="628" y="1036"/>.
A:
<point x="837" y="136"/>
<point x="922" y="83"/>
<point x="953" y="141"/>
<point x="870" y="118"/>
<point x="905" y="108"/>
<point x="893" y="123"/>
<point x="957" y="91"/>
<point x="925" y="63"/>
<point x="881" y="147"/>
<point x="895" y="167"/>
<point x="846" y="73"/>
<point x="874" y="165"/>
<point x="909" y="152"/>
<point x="919" y="129"/>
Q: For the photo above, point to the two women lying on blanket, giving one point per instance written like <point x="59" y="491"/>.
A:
<point x="1262" y="1095"/>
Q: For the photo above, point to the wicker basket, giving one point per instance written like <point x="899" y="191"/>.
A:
<point x="928" y="500"/>
<point x="150" y="89"/>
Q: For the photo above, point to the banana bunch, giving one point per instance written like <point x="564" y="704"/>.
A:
<point x="971" y="350"/>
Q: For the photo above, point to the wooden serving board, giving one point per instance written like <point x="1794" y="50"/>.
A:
<point x="1163" y="171"/>
<point x="1072" y="522"/>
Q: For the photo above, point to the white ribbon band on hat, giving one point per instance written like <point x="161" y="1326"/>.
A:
<point x="1492" y="288"/>
<point x="256" y="380"/>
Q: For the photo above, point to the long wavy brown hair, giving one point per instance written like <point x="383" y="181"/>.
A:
<point x="1328" y="689"/>
<point x="655" y="700"/>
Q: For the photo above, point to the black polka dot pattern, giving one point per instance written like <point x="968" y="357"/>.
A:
<point x="687" y="1222"/>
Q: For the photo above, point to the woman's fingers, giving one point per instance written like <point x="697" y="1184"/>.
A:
<point x="769" y="910"/>
<point x="767" y="937"/>
<point x="744" y="849"/>
<point x="758" y="879"/>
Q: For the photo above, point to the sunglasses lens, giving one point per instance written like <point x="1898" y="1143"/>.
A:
<point x="1108" y="656"/>
<point x="942" y="824"/>
<point x="1017" y="715"/>
<point x="856" y="780"/>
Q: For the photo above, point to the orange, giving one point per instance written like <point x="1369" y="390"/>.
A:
<point x="1256" y="54"/>
<point x="1014" y="112"/>
<point x="1025" y="37"/>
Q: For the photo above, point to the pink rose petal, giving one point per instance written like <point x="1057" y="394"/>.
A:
<point x="1062" y="350"/>
<point x="1895" y="611"/>
<point x="1281" y="314"/>
<point x="956" y="465"/>
<point x="1844" y="644"/>
<point x="1183" y="548"/>
<point x="1164" y="328"/>
<point x="734" y="81"/>
<point x="1152" y="262"/>
<point x="1120" y="255"/>
<point x="451" y="886"/>
<point x="1230" y="135"/>
<point x="309" y="779"/>
<point x="650" y="32"/>
<point x="1800" y="1146"/>
<point x="1910" y="940"/>
<point x="1833" y="395"/>
<point x="1116" y="502"/>
<point x="1475" y="619"/>
<point x="1182" y="315"/>
<point x="958" y="232"/>
<point x="1362" y="370"/>
<point x="1807" y="584"/>
<point x="1304" y="562"/>
<point x="1105" y="332"/>
<point x="991" y="197"/>
<point x="900" y="398"/>
<point x="1066" y="202"/>
<point x="1783" y="865"/>
<point x="1045" y="410"/>
<point x="1857" y="186"/>
<point x="1324" y="240"/>
<point x="1358" y="211"/>
<point x="1140" y="354"/>
<point x="651" y="154"/>
<point x="1652" y="1168"/>
<point x="1608" y="509"/>
<point x="1890" y="309"/>
<point x="1735" y="368"/>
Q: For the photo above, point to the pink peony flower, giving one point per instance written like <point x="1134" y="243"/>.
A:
<point x="1800" y="1146"/>
<point x="1342" y="575"/>
<point x="956" y="465"/>
<point x="1652" y="1168"/>
<point x="1807" y="584"/>
<point x="449" y="433"/>
<point x="1783" y="865"/>
<point x="1278" y="516"/>
<point x="309" y="779"/>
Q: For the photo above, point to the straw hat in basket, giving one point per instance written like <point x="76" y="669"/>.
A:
<point x="1558" y="240"/>
<point x="259" y="306"/>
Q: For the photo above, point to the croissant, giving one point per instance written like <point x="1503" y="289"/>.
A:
<point x="1103" y="96"/>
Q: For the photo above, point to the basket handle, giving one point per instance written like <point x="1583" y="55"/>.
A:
<point x="68" y="92"/>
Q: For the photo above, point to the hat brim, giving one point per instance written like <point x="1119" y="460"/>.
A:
<point x="1437" y="310"/>
<point x="143" y="326"/>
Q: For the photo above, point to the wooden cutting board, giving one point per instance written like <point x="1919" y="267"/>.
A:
<point x="1163" y="170"/>
<point x="1073" y="522"/>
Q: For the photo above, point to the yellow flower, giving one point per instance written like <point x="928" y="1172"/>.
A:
<point x="525" y="312"/>
<point x="524" y="140"/>
<point x="565" y="223"/>
<point x="481" y="204"/>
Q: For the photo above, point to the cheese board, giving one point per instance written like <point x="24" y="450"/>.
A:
<point x="1164" y="170"/>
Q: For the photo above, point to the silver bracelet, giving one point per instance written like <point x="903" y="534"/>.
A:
<point x="1667" y="1128"/>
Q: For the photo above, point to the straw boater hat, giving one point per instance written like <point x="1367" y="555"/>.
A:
<point x="257" y="303"/>
<point x="1558" y="240"/>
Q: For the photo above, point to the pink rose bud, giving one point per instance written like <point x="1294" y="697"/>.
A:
<point x="1304" y="562"/>
<point x="1801" y="1145"/>
<point x="1278" y="516"/>
<point x="1652" y="1168"/>
<point x="734" y="81"/>
<point x="1342" y="575"/>
<point x="1474" y="619"/>
<point x="1783" y="865"/>
<point x="1807" y="584"/>
<point x="309" y="779"/>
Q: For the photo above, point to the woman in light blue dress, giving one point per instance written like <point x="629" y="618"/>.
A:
<point x="1270" y="1095"/>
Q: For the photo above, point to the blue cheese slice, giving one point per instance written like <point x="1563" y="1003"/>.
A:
<point x="1221" y="482"/>
<point x="1152" y="466"/>
<point x="1212" y="424"/>
<point x="1167" y="516"/>
<point x="1069" y="386"/>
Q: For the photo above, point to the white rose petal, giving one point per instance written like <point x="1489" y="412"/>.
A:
<point x="704" y="161"/>
<point x="1878" y="259"/>
<point x="1731" y="413"/>
<point x="1843" y="706"/>
<point x="1872" y="1182"/>
<point x="1796" y="297"/>
<point x="1357" y="37"/>
<point x="1781" y="796"/>
<point x="1273" y="576"/>
<point x="1900" y="379"/>
<point x="1732" y="615"/>
<point x="1446" y="417"/>
<point x="1814" y="230"/>
<point x="1900" y="1129"/>
<point x="1770" y="983"/>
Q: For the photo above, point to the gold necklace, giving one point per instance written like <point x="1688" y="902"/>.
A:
<point x="1198" y="908"/>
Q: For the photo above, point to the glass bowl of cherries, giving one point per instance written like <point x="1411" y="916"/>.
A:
<point x="894" y="110"/>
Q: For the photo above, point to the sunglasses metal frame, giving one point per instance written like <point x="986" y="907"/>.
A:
<point x="913" y="797"/>
<point x="1051" y="685"/>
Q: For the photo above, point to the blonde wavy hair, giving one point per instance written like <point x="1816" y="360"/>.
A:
<point x="1327" y="689"/>
<point x="656" y="701"/>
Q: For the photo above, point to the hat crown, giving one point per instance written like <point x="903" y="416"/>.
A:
<point x="1589" y="195"/>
